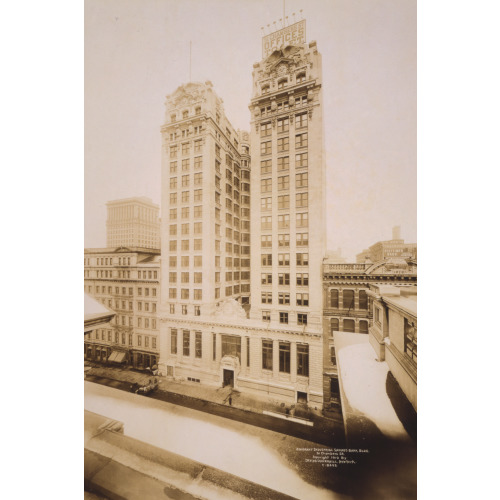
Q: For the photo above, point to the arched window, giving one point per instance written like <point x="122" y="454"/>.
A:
<point x="363" y="326"/>
<point x="301" y="77"/>
<point x="349" y="325"/>
<point x="282" y="83"/>
<point x="334" y="298"/>
<point x="265" y="89"/>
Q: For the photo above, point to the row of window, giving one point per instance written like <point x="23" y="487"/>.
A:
<point x="129" y="321"/>
<point x="185" y="259"/>
<point x="284" y="279"/>
<point x="185" y="114"/>
<point x="185" y="179"/>
<point x="184" y="295"/>
<point x="266" y="185"/>
<point x="198" y="196"/>
<point x="231" y="346"/>
<point x="284" y="105"/>
<point x="348" y="299"/>
<point x="301" y="201"/>
<point x="302" y="259"/>
<point x="124" y="305"/>
<point x="302" y="239"/>
<point x="108" y="261"/>
<point x="302" y="299"/>
<point x="107" y="335"/>
<point x="348" y="325"/>
<point x="186" y="132"/>
<point x="185" y="211"/>
<point x="123" y="290"/>
<point x="301" y="220"/>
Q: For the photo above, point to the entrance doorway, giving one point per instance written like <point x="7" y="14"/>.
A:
<point x="228" y="378"/>
<point x="301" y="397"/>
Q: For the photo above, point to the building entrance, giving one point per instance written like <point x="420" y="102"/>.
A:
<point x="228" y="378"/>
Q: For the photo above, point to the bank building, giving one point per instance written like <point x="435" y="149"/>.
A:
<point x="243" y="230"/>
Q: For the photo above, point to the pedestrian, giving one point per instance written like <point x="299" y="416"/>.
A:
<point x="230" y="400"/>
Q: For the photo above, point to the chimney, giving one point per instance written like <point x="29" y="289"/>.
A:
<point x="396" y="233"/>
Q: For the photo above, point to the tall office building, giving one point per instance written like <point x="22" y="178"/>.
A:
<point x="133" y="223"/>
<point x="207" y="185"/>
<point x="288" y="187"/>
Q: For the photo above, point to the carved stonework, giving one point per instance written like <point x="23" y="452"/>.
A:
<point x="273" y="121"/>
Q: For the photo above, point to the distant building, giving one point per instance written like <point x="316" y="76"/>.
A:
<point x="395" y="248"/>
<point x="125" y="280"/>
<point x="335" y="257"/>
<point x="133" y="223"/>
<point x="393" y="334"/>
<point x="347" y="306"/>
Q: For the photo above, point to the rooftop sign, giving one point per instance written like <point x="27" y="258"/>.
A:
<point x="295" y="34"/>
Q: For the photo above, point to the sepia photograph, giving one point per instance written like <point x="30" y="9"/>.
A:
<point x="250" y="249"/>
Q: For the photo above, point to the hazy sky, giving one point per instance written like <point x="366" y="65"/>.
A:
<point x="137" y="52"/>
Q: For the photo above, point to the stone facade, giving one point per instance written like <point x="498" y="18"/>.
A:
<point x="126" y="280"/>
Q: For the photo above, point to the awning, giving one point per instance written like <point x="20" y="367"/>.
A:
<point x="120" y="357"/>
<point x="112" y="356"/>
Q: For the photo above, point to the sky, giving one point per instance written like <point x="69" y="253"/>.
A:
<point x="138" y="51"/>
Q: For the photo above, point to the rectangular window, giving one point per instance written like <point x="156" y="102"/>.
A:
<point x="283" y="240"/>
<point x="267" y="259"/>
<point x="266" y="315"/>
<point x="334" y="298"/>
<point x="267" y="297"/>
<point x="284" y="299"/>
<point x="266" y="222"/>
<point x="301" y="140"/>
<point x="283" y="221"/>
<point x="265" y="148"/>
<point x="283" y="144"/>
<point x="265" y="129"/>
<point x="284" y="278"/>
<point x="231" y="346"/>
<point x="265" y="167"/>
<point x="301" y="180"/>
<point x="301" y="160"/>
<point x="283" y="125"/>
<point x="185" y="165"/>
<point x="173" y="341"/>
<point x="173" y="214"/>
<point x="302" y="239"/>
<point x="410" y="339"/>
<point x="173" y="167"/>
<point x="266" y="278"/>
<point x="173" y="198"/>
<point x="198" y="211"/>
<point x="173" y="230"/>
<point x="267" y="354"/>
<point x="348" y="299"/>
<point x="284" y="317"/>
<point x="184" y="277"/>
<point x="265" y="204"/>
<point x="198" y="179"/>
<point x="301" y="200"/>
<point x="283" y="163"/>
<point x="301" y="121"/>
<point x="302" y="259"/>
<point x="172" y="293"/>
<point x="302" y="220"/>
<point x="185" y="148"/>
<point x="266" y="185"/>
<point x="303" y="299"/>
<point x="284" y="357"/>
<point x="283" y="182"/>
<point x="303" y="360"/>
<point x="197" y="294"/>
<point x="185" y="197"/>
<point x="283" y="259"/>
<point x="363" y="299"/>
<point x="266" y="241"/>
<point x="185" y="342"/>
<point x="197" y="346"/>
<point x="284" y="201"/>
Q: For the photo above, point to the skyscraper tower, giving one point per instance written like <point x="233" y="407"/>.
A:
<point x="288" y="184"/>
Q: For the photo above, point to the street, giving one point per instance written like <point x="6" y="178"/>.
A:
<point x="256" y="454"/>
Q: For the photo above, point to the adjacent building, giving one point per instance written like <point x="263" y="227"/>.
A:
<point x="348" y="306"/>
<point x="133" y="223"/>
<point x="393" y="334"/>
<point x="395" y="248"/>
<point x="126" y="281"/>
<point x="213" y="200"/>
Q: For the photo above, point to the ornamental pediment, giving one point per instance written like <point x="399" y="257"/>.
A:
<point x="187" y="94"/>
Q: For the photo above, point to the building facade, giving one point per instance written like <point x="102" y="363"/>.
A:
<point x="348" y="306"/>
<point x="133" y="223"/>
<point x="393" y="334"/>
<point x="127" y="282"/>
<point x="210" y="264"/>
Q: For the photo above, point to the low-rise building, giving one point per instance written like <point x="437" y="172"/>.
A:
<point x="389" y="249"/>
<point x="393" y="334"/>
<point x="347" y="306"/>
<point x="125" y="280"/>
